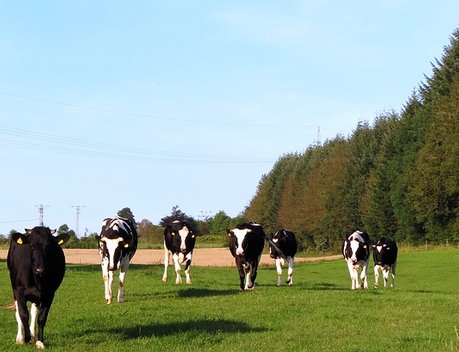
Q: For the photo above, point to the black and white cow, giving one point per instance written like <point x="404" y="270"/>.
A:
<point x="356" y="252"/>
<point x="37" y="266"/>
<point x="246" y="242"/>
<point x="283" y="246"/>
<point x="179" y="241"/>
<point x="117" y="245"/>
<point x="385" y="257"/>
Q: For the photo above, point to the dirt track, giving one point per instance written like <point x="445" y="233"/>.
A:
<point x="201" y="257"/>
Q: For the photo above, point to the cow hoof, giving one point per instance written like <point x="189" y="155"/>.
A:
<point x="164" y="279"/>
<point x="109" y="301"/>
<point x="40" y="345"/>
<point x="188" y="282"/>
<point x="20" y="341"/>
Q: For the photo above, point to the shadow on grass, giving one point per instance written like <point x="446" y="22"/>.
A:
<point x="210" y="326"/>
<point x="204" y="292"/>
<point x="325" y="286"/>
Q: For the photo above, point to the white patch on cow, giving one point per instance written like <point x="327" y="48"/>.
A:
<point x="183" y="232"/>
<point x="240" y="235"/>
<point x="33" y="320"/>
<point x="275" y="240"/>
<point x="20" y="335"/>
<point x="112" y="245"/>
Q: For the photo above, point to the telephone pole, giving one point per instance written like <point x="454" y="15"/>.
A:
<point x="77" y="227"/>
<point x="41" y="209"/>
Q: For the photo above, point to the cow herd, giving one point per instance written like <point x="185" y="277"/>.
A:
<point x="37" y="264"/>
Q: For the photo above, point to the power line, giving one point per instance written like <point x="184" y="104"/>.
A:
<point x="157" y="117"/>
<point x="18" y="221"/>
<point x="31" y="140"/>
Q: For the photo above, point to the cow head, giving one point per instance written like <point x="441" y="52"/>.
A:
<point x="276" y="241"/>
<point x="182" y="236"/>
<point x="356" y="247"/>
<point x="112" y="245"/>
<point x="237" y="238"/>
<point x="41" y="241"/>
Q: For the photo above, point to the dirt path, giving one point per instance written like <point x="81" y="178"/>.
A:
<point x="201" y="257"/>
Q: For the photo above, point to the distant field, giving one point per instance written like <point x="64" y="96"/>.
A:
<point x="318" y="313"/>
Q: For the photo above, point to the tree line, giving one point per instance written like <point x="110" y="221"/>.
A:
<point x="398" y="177"/>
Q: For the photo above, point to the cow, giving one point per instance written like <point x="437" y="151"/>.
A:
<point x="356" y="252"/>
<point x="283" y="246"/>
<point x="117" y="244"/>
<point x="246" y="242"/>
<point x="385" y="258"/>
<point x="179" y="242"/>
<point x="36" y="263"/>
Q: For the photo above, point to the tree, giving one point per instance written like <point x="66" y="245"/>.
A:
<point x="127" y="214"/>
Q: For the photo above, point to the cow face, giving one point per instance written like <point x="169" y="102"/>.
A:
<point x="237" y="237"/>
<point x="111" y="250"/>
<point x="41" y="242"/>
<point x="355" y="250"/>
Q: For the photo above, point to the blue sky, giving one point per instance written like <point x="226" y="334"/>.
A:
<point x="152" y="104"/>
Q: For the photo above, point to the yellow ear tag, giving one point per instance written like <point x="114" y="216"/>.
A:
<point x="19" y="240"/>
<point x="126" y="245"/>
<point x="60" y="242"/>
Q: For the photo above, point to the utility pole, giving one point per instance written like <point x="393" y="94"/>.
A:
<point x="77" y="227"/>
<point x="41" y="209"/>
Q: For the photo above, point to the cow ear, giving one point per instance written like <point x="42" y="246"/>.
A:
<point x="62" y="238"/>
<point x="228" y="231"/>
<point x="19" y="238"/>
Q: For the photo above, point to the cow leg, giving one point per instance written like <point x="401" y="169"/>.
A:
<point x="22" y="318"/>
<point x="33" y="320"/>
<point x="279" y="270"/>
<point x="42" y="318"/>
<point x="290" y="271"/>
<point x="376" y="270"/>
<point x="354" y="276"/>
<point x="386" y="273"/>
<point x="178" y="269"/>
<point x="108" y="278"/>
<point x="188" y="267"/>
<point x="241" y="271"/>
<point x="124" y="265"/>
<point x="108" y="287"/>
<point x="166" y="262"/>
<point x="248" y="277"/>
<point x="364" y="276"/>
<point x="393" y="274"/>
<point x="253" y="266"/>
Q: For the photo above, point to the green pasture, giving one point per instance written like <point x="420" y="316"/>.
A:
<point x="318" y="313"/>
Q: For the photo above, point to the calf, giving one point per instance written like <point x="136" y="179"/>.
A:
<point x="385" y="257"/>
<point x="283" y="246"/>
<point x="37" y="266"/>
<point x="246" y="243"/>
<point x="179" y="242"/>
<point x="356" y="252"/>
<point x="117" y="245"/>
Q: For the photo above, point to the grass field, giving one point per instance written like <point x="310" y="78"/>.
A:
<point x="318" y="313"/>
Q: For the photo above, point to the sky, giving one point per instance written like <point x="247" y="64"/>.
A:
<point x="153" y="104"/>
